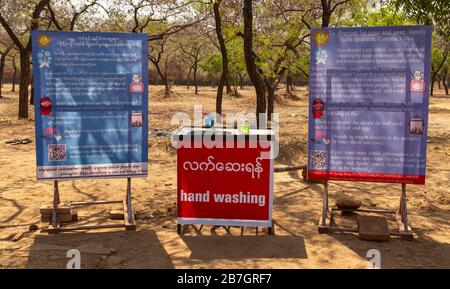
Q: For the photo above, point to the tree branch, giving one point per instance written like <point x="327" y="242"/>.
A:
<point x="53" y="17"/>
<point x="11" y="33"/>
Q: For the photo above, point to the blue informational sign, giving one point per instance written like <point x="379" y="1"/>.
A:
<point x="368" y="100"/>
<point x="91" y="104"/>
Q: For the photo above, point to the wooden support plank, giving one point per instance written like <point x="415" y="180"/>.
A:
<point x="48" y="209"/>
<point x="380" y="211"/>
<point x="93" y="203"/>
<point x="373" y="228"/>
<point x="116" y="215"/>
<point x="401" y="216"/>
<point x="328" y="229"/>
<point x="91" y="227"/>
<point x="18" y="236"/>
<point x="60" y="218"/>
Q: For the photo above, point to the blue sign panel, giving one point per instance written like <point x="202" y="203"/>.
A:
<point x="368" y="99"/>
<point x="91" y="104"/>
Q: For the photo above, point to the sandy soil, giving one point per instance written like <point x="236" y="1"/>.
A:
<point x="155" y="244"/>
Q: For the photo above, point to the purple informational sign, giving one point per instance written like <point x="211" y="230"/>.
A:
<point x="368" y="100"/>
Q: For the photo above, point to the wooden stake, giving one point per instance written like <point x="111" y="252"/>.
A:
<point x="55" y="203"/>
<point x="128" y="198"/>
<point x="325" y="203"/>
<point x="403" y="207"/>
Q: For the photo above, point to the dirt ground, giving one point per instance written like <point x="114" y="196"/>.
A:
<point x="155" y="244"/>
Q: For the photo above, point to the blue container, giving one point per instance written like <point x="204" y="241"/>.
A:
<point x="209" y="120"/>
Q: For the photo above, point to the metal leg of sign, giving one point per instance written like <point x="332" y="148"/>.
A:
<point x="128" y="214"/>
<point x="271" y="230"/>
<point x="55" y="226"/>
<point x="182" y="229"/>
<point x="325" y="203"/>
<point x="198" y="230"/>
<point x="130" y="223"/>
<point x="327" y="222"/>
<point x="405" y="231"/>
<point x="324" y="223"/>
<point x="227" y="229"/>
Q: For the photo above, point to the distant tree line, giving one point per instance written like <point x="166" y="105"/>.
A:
<point x="227" y="44"/>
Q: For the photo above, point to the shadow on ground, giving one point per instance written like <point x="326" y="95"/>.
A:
<point x="134" y="249"/>
<point x="238" y="247"/>
<point x="422" y="252"/>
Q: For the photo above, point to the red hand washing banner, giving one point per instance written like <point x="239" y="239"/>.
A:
<point x="225" y="186"/>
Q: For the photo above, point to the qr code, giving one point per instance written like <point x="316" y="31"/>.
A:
<point x="56" y="152"/>
<point x="318" y="159"/>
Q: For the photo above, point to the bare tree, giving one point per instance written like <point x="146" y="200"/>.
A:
<point x="161" y="19"/>
<point x="194" y="56"/>
<point x="25" y="52"/>
<point x="155" y="56"/>
<point x="445" y="80"/>
<point x="14" y="66"/>
<point x="223" y="51"/>
<point x="3" y="54"/>
<point x="252" y="70"/>
<point x="62" y="22"/>
<point x="436" y="67"/>
<point x="328" y="7"/>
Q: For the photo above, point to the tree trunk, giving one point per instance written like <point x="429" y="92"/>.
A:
<point x="24" y="83"/>
<point x="163" y="78"/>
<point x="241" y="81"/>
<point x="326" y="13"/>
<point x="13" y="89"/>
<point x="166" y="88"/>
<point x="32" y="89"/>
<point x="444" y="81"/>
<point x="227" y="84"/>
<point x="439" y="82"/>
<point x="2" y="68"/>
<point x="219" y="95"/>
<point x="270" y="99"/>
<point x="288" y="84"/>
<point x="195" y="79"/>
<point x="252" y="71"/>
<point x="188" y="76"/>
<point x="223" y="51"/>
<point x="166" y="82"/>
<point x="433" y="78"/>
